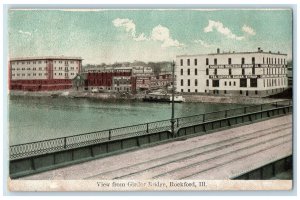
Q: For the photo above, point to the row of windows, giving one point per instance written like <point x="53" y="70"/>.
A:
<point x="34" y="74"/>
<point x="60" y="74"/>
<point x="243" y="82"/>
<point x="42" y="68"/>
<point x="189" y="72"/>
<point x="229" y="61"/>
<point x="217" y="91"/>
<point x="40" y="62"/>
<point x="116" y="88"/>
<point x="40" y="74"/>
<point x="189" y="82"/>
<point x="66" y="68"/>
<point x="273" y="61"/>
<point x="23" y="68"/>
<point x="274" y="82"/>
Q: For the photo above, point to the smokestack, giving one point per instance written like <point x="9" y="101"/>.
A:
<point x="218" y="50"/>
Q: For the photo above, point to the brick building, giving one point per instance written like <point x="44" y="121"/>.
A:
<point x="43" y="73"/>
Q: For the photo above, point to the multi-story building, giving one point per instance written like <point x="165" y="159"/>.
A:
<point x="43" y="73"/>
<point x="111" y="80"/>
<point x="256" y="73"/>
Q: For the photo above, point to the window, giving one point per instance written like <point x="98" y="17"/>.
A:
<point x="233" y="83"/>
<point x="215" y="61"/>
<point x="196" y="72"/>
<point x="207" y="61"/>
<point x="253" y="60"/>
<point x="181" y="72"/>
<point x="188" y="72"/>
<point x="253" y="70"/>
<point x="181" y="90"/>
<point x="229" y="61"/>
<point x="189" y="82"/>
<point x="229" y="83"/>
<point x="188" y="62"/>
<point x="206" y="71"/>
<point x="215" y="83"/>
<point x="243" y="82"/>
<point x="215" y="72"/>
<point x="263" y="60"/>
<point x="207" y="82"/>
<point x="181" y="82"/>
<point x="225" y="83"/>
<point x="195" y="61"/>
<point x="243" y="71"/>
<point x="196" y="90"/>
<point x="243" y="61"/>
<point x="230" y="72"/>
<point x="181" y="62"/>
<point x="196" y="82"/>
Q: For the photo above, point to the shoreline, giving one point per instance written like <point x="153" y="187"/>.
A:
<point x="138" y="97"/>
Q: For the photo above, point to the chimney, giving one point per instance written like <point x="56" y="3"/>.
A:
<point x="218" y="50"/>
<point x="258" y="49"/>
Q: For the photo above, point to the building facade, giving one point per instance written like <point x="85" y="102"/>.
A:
<point x="111" y="80"/>
<point x="232" y="73"/>
<point x="43" y="73"/>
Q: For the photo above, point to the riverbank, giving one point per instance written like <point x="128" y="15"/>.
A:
<point x="138" y="97"/>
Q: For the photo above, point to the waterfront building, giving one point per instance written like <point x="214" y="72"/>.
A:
<point x="111" y="80"/>
<point x="161" y="81"/>
<point x="255" y="73"/>
<point x="43" y="73"/>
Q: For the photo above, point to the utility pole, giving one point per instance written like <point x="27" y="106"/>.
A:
<point x="173" y="91"/>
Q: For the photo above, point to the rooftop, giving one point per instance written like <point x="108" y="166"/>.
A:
<point x="233" y="52"/>
<point x="46" y="58"/>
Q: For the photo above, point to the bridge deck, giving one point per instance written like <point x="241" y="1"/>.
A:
<point x="220" y="155"/>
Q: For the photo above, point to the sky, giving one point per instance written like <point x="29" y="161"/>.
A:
<point x="109" y="36"/>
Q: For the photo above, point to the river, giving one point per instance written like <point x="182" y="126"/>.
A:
<point x="40" y="118"/>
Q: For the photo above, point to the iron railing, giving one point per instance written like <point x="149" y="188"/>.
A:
<point x="70" y="142"/>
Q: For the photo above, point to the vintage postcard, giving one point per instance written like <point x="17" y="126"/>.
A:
<point x="150" y="99"/>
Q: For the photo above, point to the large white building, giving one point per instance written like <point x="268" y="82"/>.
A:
<point x="43" y="73"/>
<point x="256" y="73"/>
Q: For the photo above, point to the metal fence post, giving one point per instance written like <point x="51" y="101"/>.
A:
<point x="147" y="128"/>
<point x="109" y="134"/>
<point x="65" y="142"/>
<point x="177" y="122"/>
<point x="203" y="117"/>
